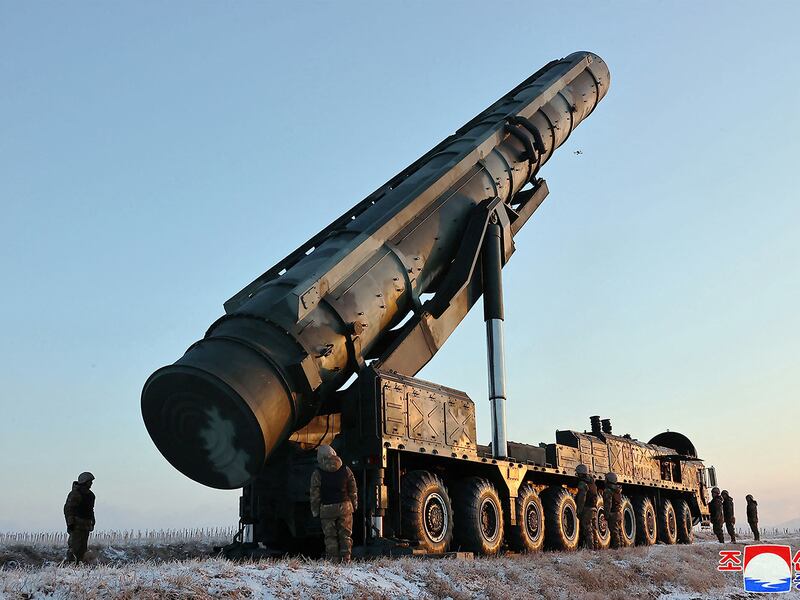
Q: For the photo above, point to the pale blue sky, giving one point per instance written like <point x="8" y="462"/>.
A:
<point x="155" y="157"/>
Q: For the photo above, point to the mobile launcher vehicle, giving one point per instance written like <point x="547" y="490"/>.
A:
<point x="376" y="294"/>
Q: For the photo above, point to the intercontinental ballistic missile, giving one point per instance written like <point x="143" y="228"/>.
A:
<point x="388" y="281"/>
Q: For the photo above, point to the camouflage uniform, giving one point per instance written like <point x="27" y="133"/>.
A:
<point x="79" y="514"/>
<point x="752" y="516"/>
<point x="727" y="511"/>
<point x="612" y="502"/>
<point x="717" y="517"/>
<point x="334" y="498"/>
<point x="586" y="502"/>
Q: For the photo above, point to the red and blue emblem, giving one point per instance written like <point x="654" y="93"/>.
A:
<point x="767" y="568"/>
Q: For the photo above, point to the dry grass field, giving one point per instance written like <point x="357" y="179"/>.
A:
<point x="180" y="566"/>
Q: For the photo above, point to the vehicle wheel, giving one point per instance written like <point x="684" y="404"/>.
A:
<point x="560" y="519"/>
<point x="528" y="534"/>
<point x="667" y="523"/>
<point x="684" y="520"/>
<point x="628" y="529"/>
<point x="646" y="530"/>
<point x="603" y="529"/>
<point x="427" y="513"/>
<point x="479" y="523"/>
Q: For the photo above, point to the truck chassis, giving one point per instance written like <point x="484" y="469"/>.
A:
<point x="428" y="487"/>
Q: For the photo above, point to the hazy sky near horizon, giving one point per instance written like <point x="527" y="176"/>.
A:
<point x="156" y="157"/>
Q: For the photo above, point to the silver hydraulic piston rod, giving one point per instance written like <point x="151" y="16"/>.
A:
<point x="492" y="265"/>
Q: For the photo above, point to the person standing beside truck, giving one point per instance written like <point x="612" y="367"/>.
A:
<point x="612" y="502"/>
<point x="586" y="504"/>
<point x="727" y="512"/>
<point x="752" y="516"/>
<point x="334" y="498"/>
<point x="717" y="517"/>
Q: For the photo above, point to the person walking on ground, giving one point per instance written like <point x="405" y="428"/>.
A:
<point x="79" y="514"/>
<point x="752" y="516"/>
<point x="727" y="511"/>
<point x="612" y="502"/>
<point x="586" y="503"/>
<point x="334" y="498"/>
<point x="717" y="517"/>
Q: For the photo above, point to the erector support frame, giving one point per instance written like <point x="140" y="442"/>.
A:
<point x="492" y="266"/>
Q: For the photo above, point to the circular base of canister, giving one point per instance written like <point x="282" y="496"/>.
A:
<point x="203" y="427"/>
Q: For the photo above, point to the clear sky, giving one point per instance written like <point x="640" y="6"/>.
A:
<point x="156" y="157"/>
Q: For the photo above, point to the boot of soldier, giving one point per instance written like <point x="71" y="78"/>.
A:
<point x="346" y="559"/>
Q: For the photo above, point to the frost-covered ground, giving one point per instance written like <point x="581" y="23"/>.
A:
<point x="159" y="571"/>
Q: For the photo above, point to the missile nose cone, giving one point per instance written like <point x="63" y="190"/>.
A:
<point x="216" y="424"/>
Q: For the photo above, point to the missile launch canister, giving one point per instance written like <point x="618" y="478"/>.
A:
<point x="354" y="292"/>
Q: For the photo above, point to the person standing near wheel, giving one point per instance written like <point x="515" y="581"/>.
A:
<point x="586" y="502"/>
<point x="752" y="516"/>
<point x="717" y="517"/>
<point x="727" y="512"/>
<point x="334" y="498"/>
<point x="612" y="501"/>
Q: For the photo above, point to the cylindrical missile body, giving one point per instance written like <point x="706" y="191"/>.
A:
<point x="295" y="335"/>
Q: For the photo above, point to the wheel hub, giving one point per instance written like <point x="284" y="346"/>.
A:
<point x="435" y="517"/>
<point x="570" y="522"/>
<point x="532" y="519"/>
<point x="629" y="521"/>
<point x="602" y="523"/>
<point x="489" y="520"/>
<point x="651" y="523"/>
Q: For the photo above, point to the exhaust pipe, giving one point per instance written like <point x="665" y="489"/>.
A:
<point x="595" y="421"/>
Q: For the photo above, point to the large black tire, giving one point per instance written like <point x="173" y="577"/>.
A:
<point x="560" y="519"/>
<point x="427" y="513"/>
<point x="528" y="534"/>
<point x="602" y="526"/>
<point x="667" y="523"/>
<point x="628" y="526"/>
<point x="479" y="517"/>
<point x="684" y="518"/>
<point x="646" y="527"/>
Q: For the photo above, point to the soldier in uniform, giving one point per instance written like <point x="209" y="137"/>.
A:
<point x="334" y="498"/>
<point x="752" y="516"/>
<point x="717" y="517"/>
<point x="79" y="513"/>
<point x="727" y="511"/>
<point x="586" y="502"/>
<point x="612" y="502"/>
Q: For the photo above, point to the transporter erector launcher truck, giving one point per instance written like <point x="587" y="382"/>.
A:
<point x="247" y="405"/>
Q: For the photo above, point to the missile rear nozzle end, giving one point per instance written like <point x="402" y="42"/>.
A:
<point x="216" y="424"/>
